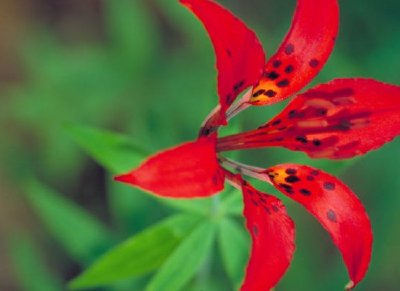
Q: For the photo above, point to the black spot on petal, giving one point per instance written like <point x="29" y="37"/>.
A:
<point x="276" y="63"/>
<point x="314" y="63"/>
<point x="331" y="215"/>
<point x="316" y="142"/>
<point x="289" y="69"/>
<point x="255" y="230"/>
<point x="344" y="125"/>
<point x="276" y="122"/>
<point x="305" y="192"/>
<point x="289" y="49"/>
<point x="302" y="139"/>
<point x="322" y="111"/>
<point x="267" y="210"/>
<point x="329" y="186"/>
<point x="287" y="188"/>
<point x="271" y="176"/>
<point x="292" y="113"/>
<point x="314" y="172"/>
<point x="270" y="93"/>
<point x="238" y="85"/>
<point x="283" y="83"/>
<point x="273" y="75"/>
<point x="291" y="171"/>
<point x="292" y="179"/>
<point x="258" y="93"/>
<point x="229" y="98"/>
<point x="215" y="180"/>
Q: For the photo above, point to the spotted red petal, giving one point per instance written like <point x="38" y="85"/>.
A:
<point x="335" y="206"/>
<point x="240" y="56"/>
<point x="340" y="119"/>
<point x="186" y="171"/>
<point x="272" y="232"/>
<point x="303" y="52"/>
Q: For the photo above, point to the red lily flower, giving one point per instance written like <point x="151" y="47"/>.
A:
<point x="340" y="119"/>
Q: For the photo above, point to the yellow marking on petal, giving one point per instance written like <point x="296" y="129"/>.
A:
<point x="278" y="176"/>
<point x="265" y="87"/>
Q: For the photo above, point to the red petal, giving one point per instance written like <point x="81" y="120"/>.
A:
<point x="240" y="56"/>
<point x="188" y="170"/>
<point x="272" y="233"/>
<point x="303" y="52"/>
<point x="340" y="119"/>
<point x="335" y="206"/>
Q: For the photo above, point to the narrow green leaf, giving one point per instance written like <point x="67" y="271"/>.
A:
<point x="115" y="152"/>
<point x="132" y="32"/>
<point x="138" y="255"/>
<point x="197" y="205"/>
<point x="119" y="154"/>
<point x="30" y="269"/>
<point x="232" y="203"/>
<point x="234" y="246"/>
<point x="185" y="261"/>
<point x="80" y="234"/>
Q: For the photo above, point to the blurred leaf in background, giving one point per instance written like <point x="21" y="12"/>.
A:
<point x="31" y="269"/>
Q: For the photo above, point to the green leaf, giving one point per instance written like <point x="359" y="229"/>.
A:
<point x="115" y="152"/>
<point x="234" y="246"/>
<point x="119" y="154"/>
<point x="132" y="32"/>
<point x="30" y="269"/>
<point x="138" y="255"/>
<point x="200" y="206"/>
<point x="80" y="234"/>
<point x="232" y="203"/>
<point x="185" y="261"/>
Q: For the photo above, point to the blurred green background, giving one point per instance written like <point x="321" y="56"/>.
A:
<point x="71" y="69"/>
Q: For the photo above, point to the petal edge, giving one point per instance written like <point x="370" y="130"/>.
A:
<point x="272" y="232"/>
<point x="239" y="54"/>
<point x="186" y="171"/>
<point x="302" y="54"/>
<point x="336" y="207"/>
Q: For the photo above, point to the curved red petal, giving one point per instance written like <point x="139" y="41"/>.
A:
<point x="337" y="120"/>
<point x="335" y="206"/>
<point x="239" y="54"/>
<point x="303" y="52"/>
<point x="272" y="232"/>
<point x="186" y="171"/>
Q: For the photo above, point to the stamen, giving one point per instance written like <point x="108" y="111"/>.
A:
<point x="239" y="105"/>
<point x="251" y="171"/>
<point x="209" y="125"/>
<point x="233" y="179"/>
